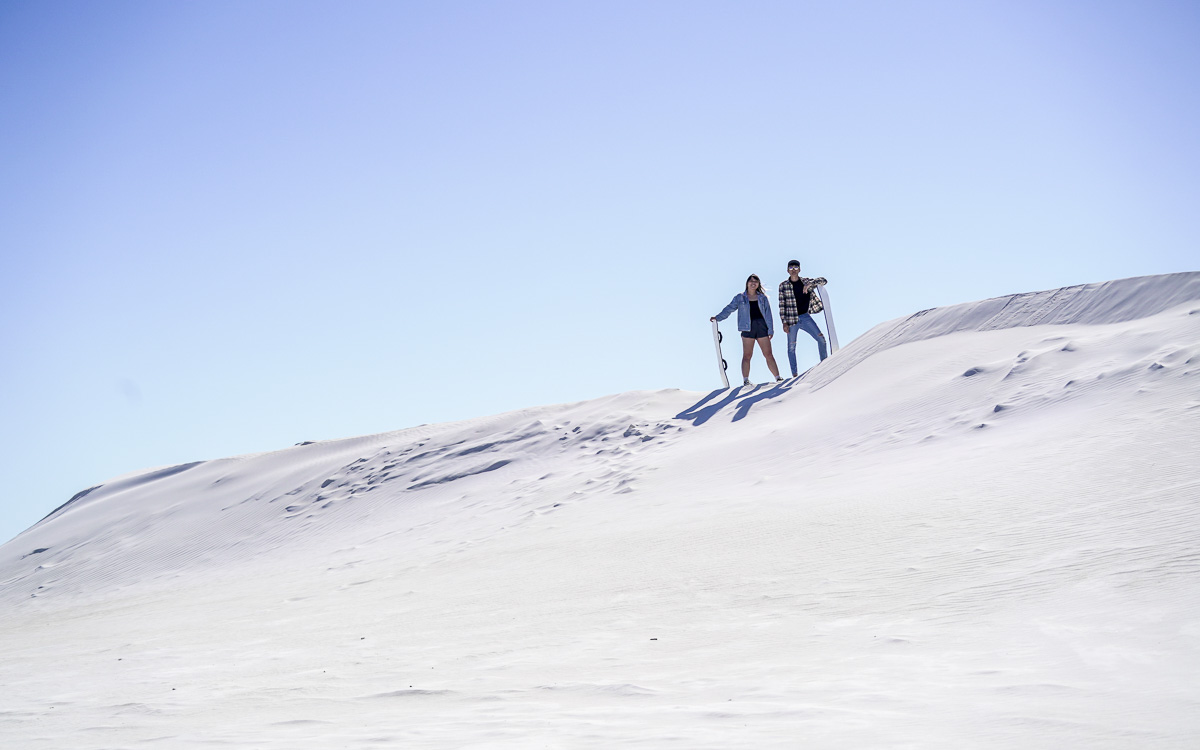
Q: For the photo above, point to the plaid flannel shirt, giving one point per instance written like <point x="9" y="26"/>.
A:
<point x="788" y="309"/>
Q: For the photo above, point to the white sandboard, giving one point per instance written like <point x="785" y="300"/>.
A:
<point x="833" y="344"/>
<point x="720" y="359"/>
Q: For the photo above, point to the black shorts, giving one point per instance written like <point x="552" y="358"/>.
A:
<point x="758" y="330"/>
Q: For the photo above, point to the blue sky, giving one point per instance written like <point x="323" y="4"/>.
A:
<point x="230" y="227"/>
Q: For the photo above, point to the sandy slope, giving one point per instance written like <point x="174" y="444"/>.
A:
<point x="973" y="534"/>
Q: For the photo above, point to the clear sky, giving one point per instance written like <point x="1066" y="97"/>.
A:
<point x="228" y="227"/>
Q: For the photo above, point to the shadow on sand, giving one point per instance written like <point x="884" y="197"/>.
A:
<point x="745" y="398"/>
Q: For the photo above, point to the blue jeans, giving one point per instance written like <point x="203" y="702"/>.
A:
<point x="809" y="326"/>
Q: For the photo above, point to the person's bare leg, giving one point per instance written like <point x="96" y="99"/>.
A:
<point x="765" y="345"/>
<point x="747" y="351"/>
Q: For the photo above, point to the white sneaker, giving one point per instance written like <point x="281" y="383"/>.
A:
<point x="746" y="381"/>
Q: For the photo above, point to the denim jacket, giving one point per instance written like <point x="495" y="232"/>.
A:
<point x="742" y="303"/>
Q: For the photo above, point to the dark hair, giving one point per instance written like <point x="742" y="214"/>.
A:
<point x="753" y="276"/>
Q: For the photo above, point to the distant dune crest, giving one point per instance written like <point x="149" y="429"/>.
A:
<point x="1103" y="303"/>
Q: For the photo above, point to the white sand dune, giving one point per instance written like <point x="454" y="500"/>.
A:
<point x="978" y="526"/>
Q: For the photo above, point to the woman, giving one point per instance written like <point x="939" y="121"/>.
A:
<point x="754" y="321"/>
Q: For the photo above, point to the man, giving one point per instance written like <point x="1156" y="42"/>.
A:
<point x="797" y="303"/>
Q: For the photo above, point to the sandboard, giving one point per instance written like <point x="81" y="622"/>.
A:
<point x="721" y="366"/>
<point x="833" y="342"/>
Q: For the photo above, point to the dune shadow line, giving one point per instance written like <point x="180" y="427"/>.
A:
<point x="706" y="408"/>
